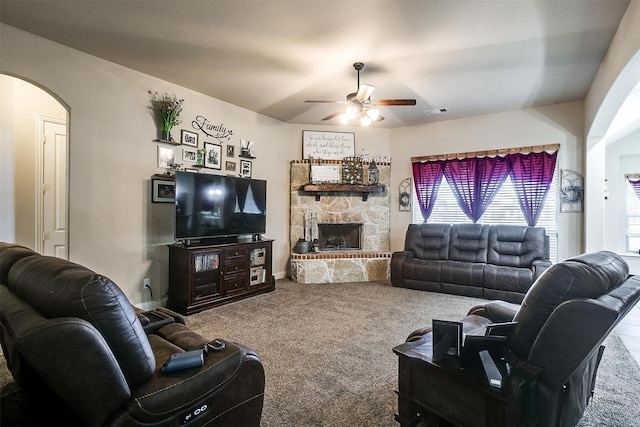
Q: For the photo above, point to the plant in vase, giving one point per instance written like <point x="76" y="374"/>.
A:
<point x="167" y="108"/>
<point x="200" y="158"/>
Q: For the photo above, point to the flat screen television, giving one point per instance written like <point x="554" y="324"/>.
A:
<point x="214" y="206"/>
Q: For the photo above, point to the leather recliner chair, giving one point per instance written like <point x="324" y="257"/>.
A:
<point x="71" y="337"/>
<point x="561" y="324"/>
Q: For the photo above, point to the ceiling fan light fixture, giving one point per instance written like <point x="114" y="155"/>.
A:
<point x="373" y="114"/>
<point x="359" y="105"/>
<point x="351" y="112"/>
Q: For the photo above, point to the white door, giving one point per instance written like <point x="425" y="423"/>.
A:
<point x="53" y="212"/>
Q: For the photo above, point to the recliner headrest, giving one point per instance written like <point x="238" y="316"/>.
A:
<point x="585" y="276"/>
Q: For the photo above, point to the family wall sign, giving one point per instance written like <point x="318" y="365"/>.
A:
<point x="207" y="127"/>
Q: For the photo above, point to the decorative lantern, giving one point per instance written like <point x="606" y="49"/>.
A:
<point x="373" y="173"/>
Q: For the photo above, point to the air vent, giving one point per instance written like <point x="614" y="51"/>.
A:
<point x="434" y="111"/>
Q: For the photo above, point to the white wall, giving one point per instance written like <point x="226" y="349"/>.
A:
<point x="556" y="124"/>
<point x="22" y="103"/>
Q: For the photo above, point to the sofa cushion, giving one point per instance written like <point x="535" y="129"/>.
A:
<point x="511" y="279"/>
<point x="418" y="269"/>
<point x="469" y="243"/>
<point x="428" y="241"/>
<point x="586" y="276"/>
<point x="516" y="246"/>
<point x="59" y="288"/>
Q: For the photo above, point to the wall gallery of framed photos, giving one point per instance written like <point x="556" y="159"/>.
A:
<point x="192" y="154"/>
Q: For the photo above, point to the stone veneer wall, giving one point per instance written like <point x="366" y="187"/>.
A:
<point x="370" y="264"/>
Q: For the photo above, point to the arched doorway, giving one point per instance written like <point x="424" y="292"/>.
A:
<point x="601" y="221"/>
<point x="34" y="168"/>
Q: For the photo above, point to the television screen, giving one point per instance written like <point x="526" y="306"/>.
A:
<point x="217" y="206"/>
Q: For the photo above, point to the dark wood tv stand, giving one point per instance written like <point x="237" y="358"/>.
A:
<point x="202" y="277"/>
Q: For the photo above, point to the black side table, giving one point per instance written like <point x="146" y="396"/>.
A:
<point x="444" y="395"/>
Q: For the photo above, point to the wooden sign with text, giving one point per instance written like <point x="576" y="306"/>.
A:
<point x="328" y="145"/>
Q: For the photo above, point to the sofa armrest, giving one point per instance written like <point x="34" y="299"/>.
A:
<point x="539" y="266"/>
<point x="496" y="311"/>
<point x="397" y="261"/>
<point x="58" y="348"/>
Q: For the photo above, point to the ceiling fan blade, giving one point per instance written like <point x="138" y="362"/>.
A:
<point x="380" y="102"/>
<point x="380" y="118"/>
<point x="364" y="92"/>
<point x="325" y="102"/>
<point x="331" y="116"/>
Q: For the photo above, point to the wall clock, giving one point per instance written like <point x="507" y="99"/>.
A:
<point x="352" y="170"/>
<point x="405" y="195"/>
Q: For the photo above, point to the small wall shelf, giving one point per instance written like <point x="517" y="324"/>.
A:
<point x="318" y="189"/>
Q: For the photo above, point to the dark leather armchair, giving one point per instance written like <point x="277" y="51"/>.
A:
<point x="562" y="321"/>
<point x="70" y="336"/>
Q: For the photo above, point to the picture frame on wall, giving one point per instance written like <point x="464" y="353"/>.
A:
<point x="213" y="156"/>
<point x="328" y="145"/>
<point x="163" y="190"/>
<point x="230" y="166"/>
<point x="245" y="168"/>
<point x="231" y="151"/>
<point x="189" y="138"/>
<point x="189" y="155"/>
<point x="166" y="157"/>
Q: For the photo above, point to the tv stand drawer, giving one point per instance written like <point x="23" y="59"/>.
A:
<point x="235" y="283"/>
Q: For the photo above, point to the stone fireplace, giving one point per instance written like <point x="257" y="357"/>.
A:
<point x="339" y="237"/>
<point x="353" y="230"/>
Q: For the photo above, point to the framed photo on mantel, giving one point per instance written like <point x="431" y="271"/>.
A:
<point x="328" y="145"/>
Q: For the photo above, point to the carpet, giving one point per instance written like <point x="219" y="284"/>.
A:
<point x="326" y="351"/>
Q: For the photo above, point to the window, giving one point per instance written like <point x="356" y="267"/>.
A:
<point x="633" y="219"/>
<point x="505" y="209"/>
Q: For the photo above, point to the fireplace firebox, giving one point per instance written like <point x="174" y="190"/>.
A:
<point x="338" y="237"/>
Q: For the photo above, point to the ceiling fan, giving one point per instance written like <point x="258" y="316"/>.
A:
<point x="360" y="105"/>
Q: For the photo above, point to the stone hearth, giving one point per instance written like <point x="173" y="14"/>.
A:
<point x="369" y="263"/>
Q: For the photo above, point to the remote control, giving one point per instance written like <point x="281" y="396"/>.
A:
<point x="186" y="360"/>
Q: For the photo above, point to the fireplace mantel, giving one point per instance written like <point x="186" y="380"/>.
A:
<point x="365" y="190"/>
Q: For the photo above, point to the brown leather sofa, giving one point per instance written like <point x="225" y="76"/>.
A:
<point x="85" y="355"/>
<point x="561" y="324"/>
<point x="477" y="260"/>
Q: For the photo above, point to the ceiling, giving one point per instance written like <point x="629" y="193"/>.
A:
<point x="470" y="57"/>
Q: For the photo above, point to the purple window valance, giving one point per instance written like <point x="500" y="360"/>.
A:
<point x="476" y="181"/>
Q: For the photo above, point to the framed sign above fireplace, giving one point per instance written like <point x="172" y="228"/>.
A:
<point x="328" y="145"/>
